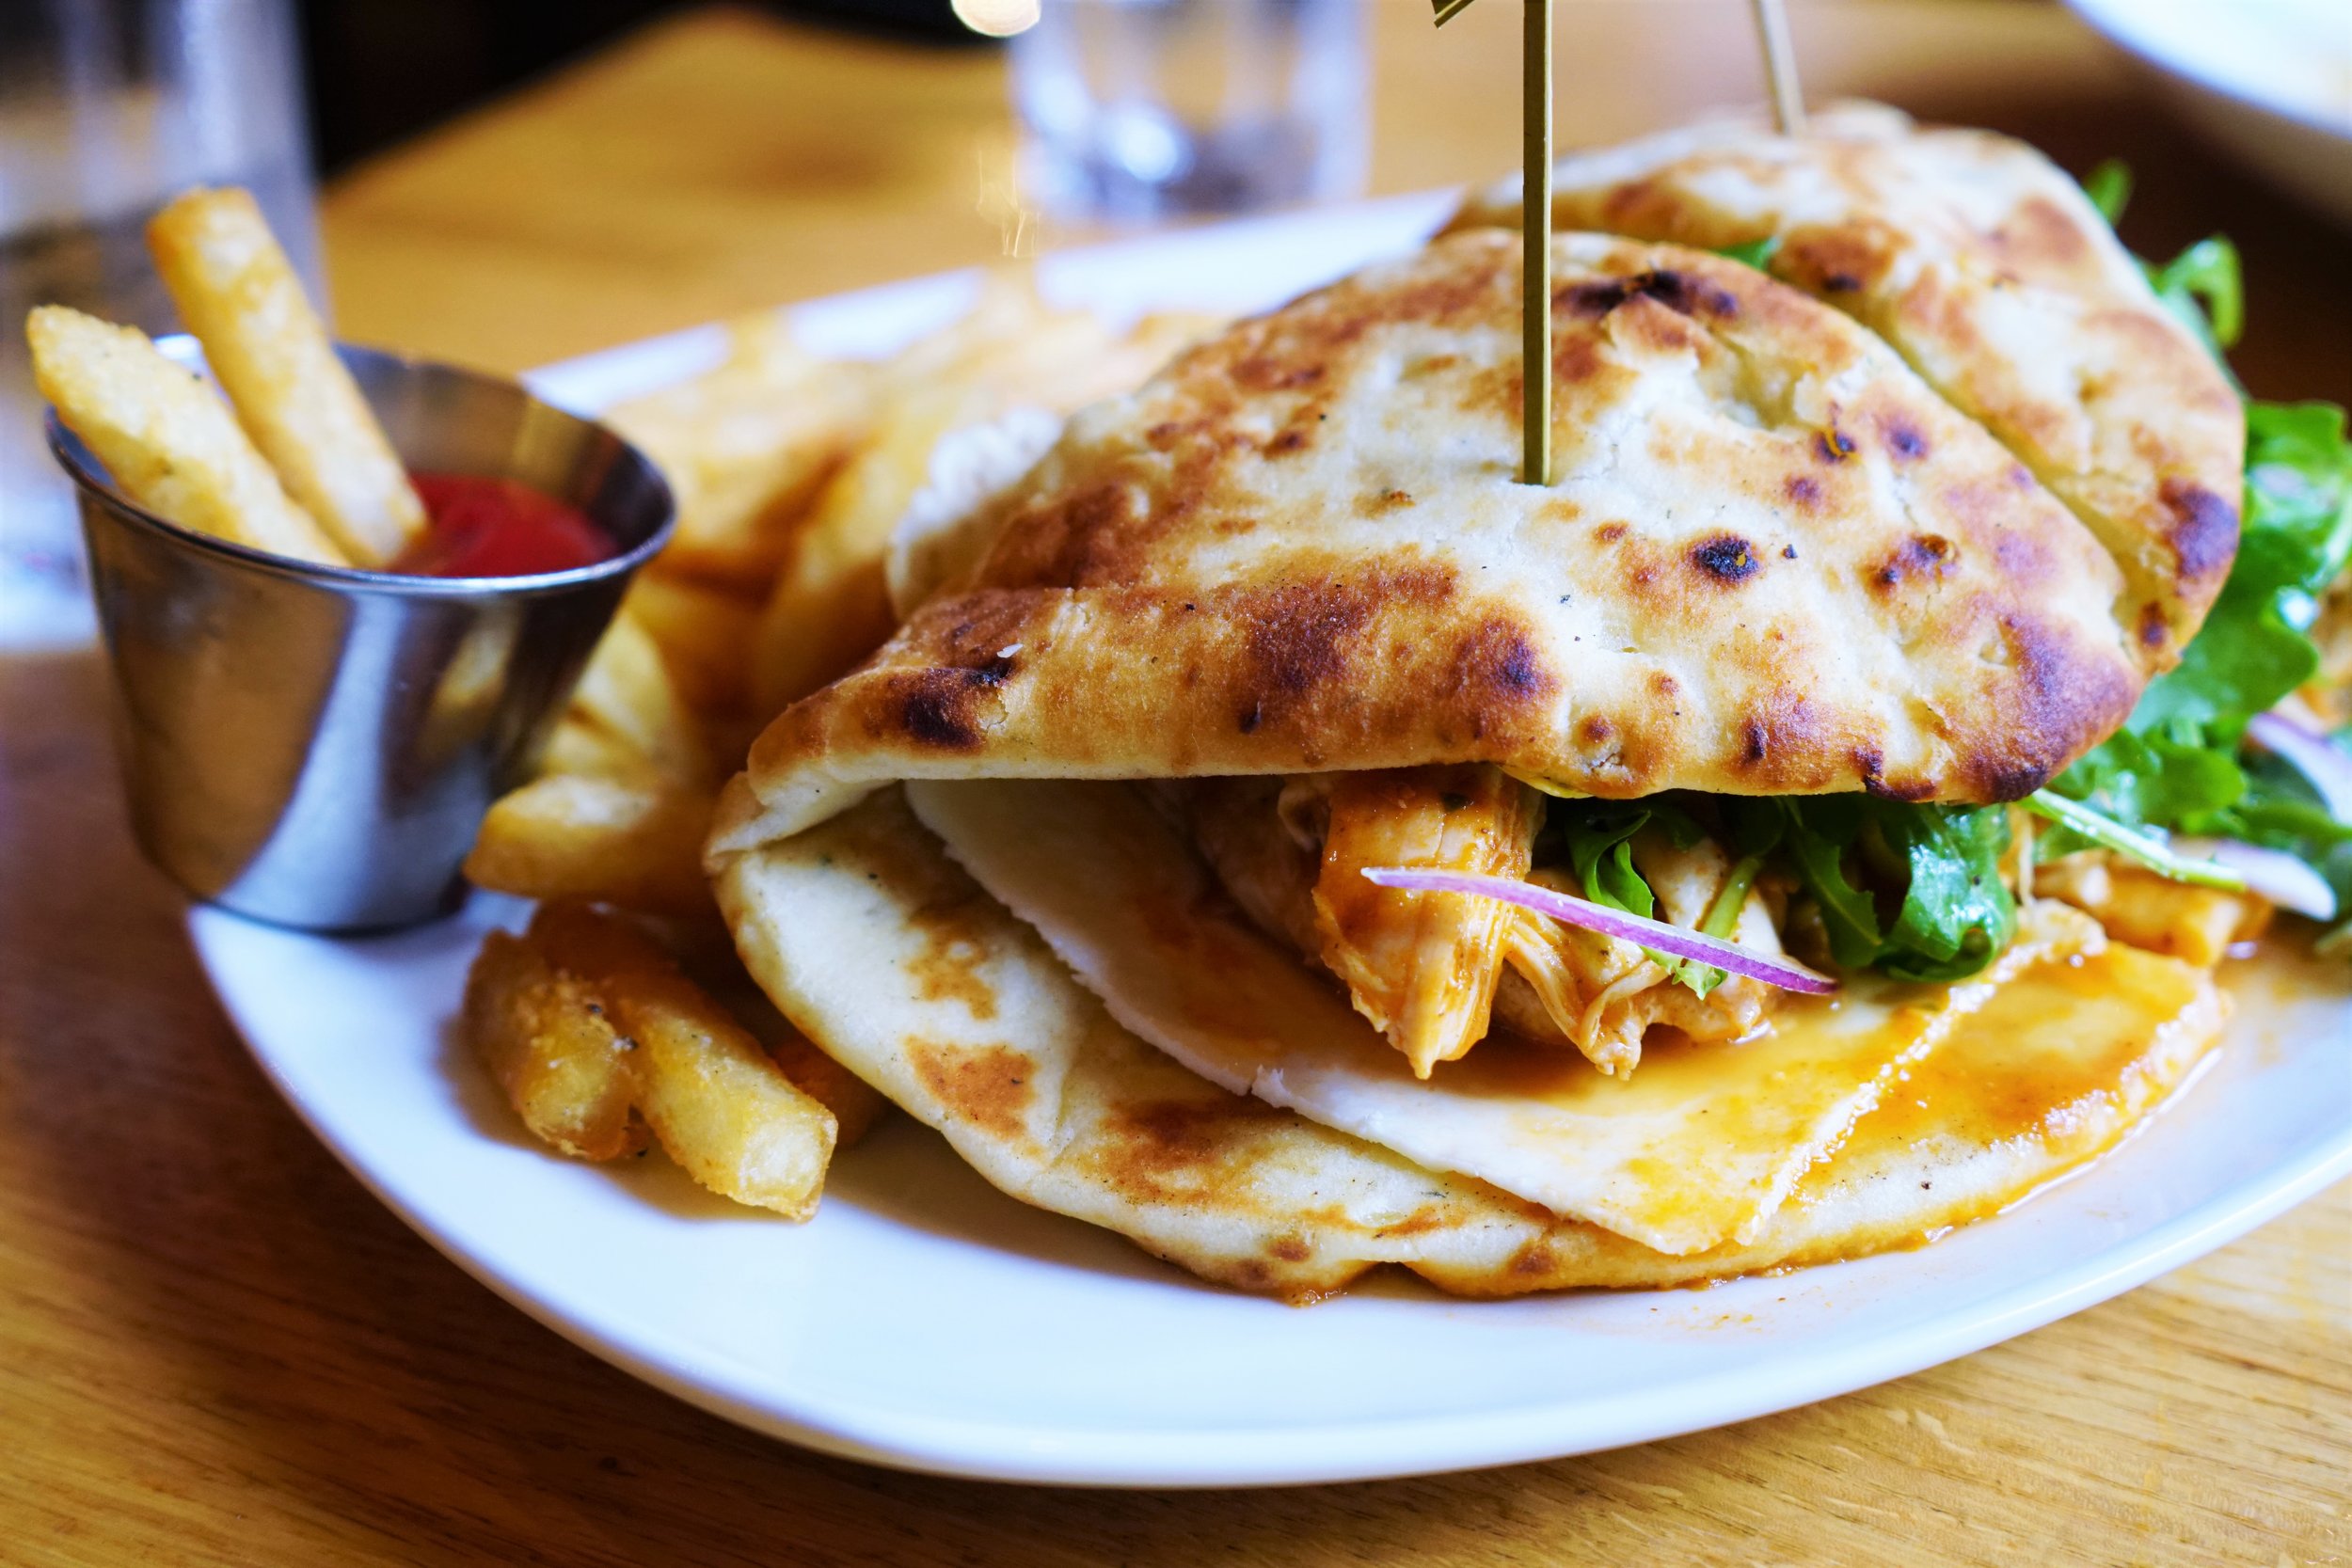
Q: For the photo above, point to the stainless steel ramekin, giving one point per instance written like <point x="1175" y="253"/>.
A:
<point x="315" y="746"/>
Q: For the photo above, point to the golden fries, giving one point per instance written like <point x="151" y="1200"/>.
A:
<point x="727" y="1114"/>
<point x="268" y="349"/>
<point x="635" y="842"/>
<point x="169" y="443"/>
<point x="791" y="475"/>
<point x="580" y="745"/>
<point x="627" y="689"/>
<point x="580" y="992"/>
<point x="745" y="448"/>
<point x="548" y="1040"/>
<point x="831" y="607"/>
<point x="702" y="632"/>
<point x="854" y="1103"/>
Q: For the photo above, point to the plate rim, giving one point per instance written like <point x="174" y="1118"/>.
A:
<point x="2113" y="21"/>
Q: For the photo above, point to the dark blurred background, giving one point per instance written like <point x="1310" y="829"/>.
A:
<point x="381" y="71"/>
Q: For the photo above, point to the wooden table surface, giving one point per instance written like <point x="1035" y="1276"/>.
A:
<point x="215" y="1348"/>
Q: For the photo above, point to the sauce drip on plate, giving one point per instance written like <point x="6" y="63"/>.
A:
<point x="497" y="527"/>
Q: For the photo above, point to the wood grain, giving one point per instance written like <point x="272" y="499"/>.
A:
<point x="215" y="1348"/>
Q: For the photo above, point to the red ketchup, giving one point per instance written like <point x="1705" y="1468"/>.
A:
<point x="496" y="527"/>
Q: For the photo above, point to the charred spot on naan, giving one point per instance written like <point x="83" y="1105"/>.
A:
<point x="940" y="708"/>
<point x="1789" y="746"/>
<point x="1725" y="558"/>
<point x="948" y="968"/>
<point x="1921" y="557"/>
<point x="1904" y="441"/>
<point x="2056" y="698"/>
<point x="2203" y="532"/>
<point x="1306" y="628"/>
<point x="1682" y="292"/>
<point x="1834" y="261"/>
<point x="1166" y="1150"/>
<point x="986" y="1088"/>
<point x="2039" y="239"/>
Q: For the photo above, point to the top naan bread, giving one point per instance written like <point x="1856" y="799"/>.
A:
<point x="1774" y="561"/>
<point x="1984" y="265"/>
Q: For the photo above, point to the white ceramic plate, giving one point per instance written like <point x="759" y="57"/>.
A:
<point x="923" y="1320"/>
<point x="2271" y="80"/>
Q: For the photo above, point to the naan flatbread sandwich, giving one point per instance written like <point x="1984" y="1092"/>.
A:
<point x="1278" y="835"/>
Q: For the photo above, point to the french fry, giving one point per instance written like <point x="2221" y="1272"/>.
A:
<point x="267" y="347"/>
<point x="854" y="1103"/>
<point x="635" y="842"/>
<point x="707" y="955"/>
<point x="831" y="606"/>
<point x="628" y="689"/>
<point x="720" y="1107"/>
<point x="725" y="1113"/>
<point x="580" y="745"/>
<point x="547" y="1039"/>
<point x="171" y="445"/>
<point x="745" y="448"/>
<point x="702" y="632"/>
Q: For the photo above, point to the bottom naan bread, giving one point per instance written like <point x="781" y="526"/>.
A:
<point x="889" y="955"/>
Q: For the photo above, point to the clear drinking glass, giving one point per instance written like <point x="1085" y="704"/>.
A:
<point x="1141" y="109"/>
<point x="107" y="108"/>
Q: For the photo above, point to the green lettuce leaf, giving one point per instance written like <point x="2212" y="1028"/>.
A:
<point x="1599" y="838"/>
<point x="1755" y="253"/>
<point x="2205" y="288"/>
<point x="2178" y="763"/>
<point x="1940" y="910"/>
<point x="2109" y="187"/>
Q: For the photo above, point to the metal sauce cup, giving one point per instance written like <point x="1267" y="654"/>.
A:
<point x="315" y="746"/>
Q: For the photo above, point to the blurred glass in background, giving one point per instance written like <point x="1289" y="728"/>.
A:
<point x="107" y="107"/>
<point x="1135" y="110"/>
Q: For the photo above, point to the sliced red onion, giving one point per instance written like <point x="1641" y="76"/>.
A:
<point x="2328" y="769"/>
<point x="1676" y="941"/>
<point x="2274" y="873"/>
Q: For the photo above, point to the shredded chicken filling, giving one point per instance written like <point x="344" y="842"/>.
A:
<point x="1434" y="970"/>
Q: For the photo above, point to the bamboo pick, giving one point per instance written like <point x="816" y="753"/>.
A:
<point x="1780" y="66"/>
<point x="1535" y="236"/>
<point x="1535" y="231"/>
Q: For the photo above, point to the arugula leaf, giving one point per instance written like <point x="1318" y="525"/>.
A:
<point x="2097" y="826"/>
<point x="1755" y="253"/>
<point x="2176" y="763"/>
<point x="1601" y="850"/>
<point x="2203" y="285"/>
<point x="1599" y="842"/>
<point x="1952" y="912"/>
<point x="2205" y="288"/>
<point x="1956" y="913"/>
<point x="1722" y="915"/>
<point x="2109" y="187"/>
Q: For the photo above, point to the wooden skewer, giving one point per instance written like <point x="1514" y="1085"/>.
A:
<point x="1536" y="235"/>
<point x="1534" y="230"/>
<point x="1780" y="66"/>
